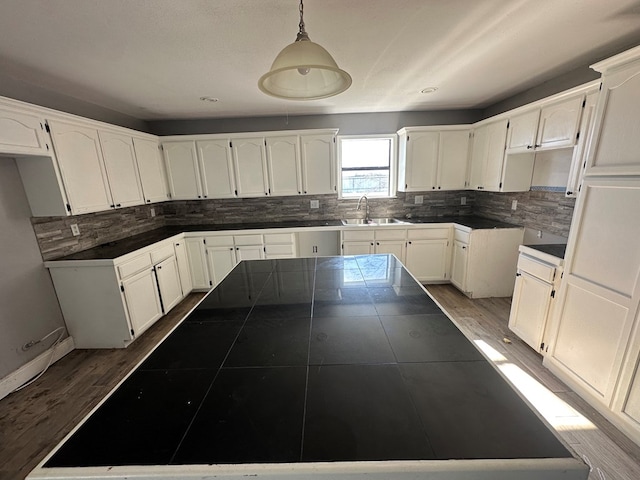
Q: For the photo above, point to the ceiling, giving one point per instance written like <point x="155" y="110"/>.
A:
<point x="154" y="59"/>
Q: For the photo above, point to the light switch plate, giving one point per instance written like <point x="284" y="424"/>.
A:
<point x="75" y="230"/>
<point x="419" y="199"/>
<point x="315" y="203"/>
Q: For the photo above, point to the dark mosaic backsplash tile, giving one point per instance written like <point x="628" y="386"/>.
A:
<point x="547" y="211"/>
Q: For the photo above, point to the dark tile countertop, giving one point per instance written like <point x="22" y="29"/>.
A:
<point x="556" y="250"/>
<point x="115" y="249"/>
<point x="332" y="359"/>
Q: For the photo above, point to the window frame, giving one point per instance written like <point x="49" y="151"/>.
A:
<point x="393" y="163"/>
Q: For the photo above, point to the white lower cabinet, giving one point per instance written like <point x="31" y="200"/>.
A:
<point x="182" y="259"/>
<point x="142" y="300"/>
<point x="280" y="245"/>
<point x="196" y="253"/>
<point x="358" y="242"/>
<point x="169" y="283"/>
<point x="533" y="296"/>
<point x="428" y="255"/>
<point x="459" y="264"/>
<point x="220" y="261"/>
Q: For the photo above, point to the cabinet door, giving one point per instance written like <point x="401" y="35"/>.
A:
<point x="496" y="138"/>
<point x="142" y="300"/>
<point x="529" y="309"/>
<point x="283" y="160"/>
<point x="122" y="170"/>
<point x="579" y="159"/>
<point x="216" y="169"/>
<point x="22" y="133"/>
<point x="616" y="141"/>
<point x="600" y="285"/>
<point x="422" y="161"/>
<point x="250" y="166"/>
<point x="221" y="261"/>
<point x="183" y="175"/>
<point x="559" y="124"/>
<point x="459" y="265"/>
<point x="152" y="172"/>
<point x="358" y="248"/>
<point x="318" y="163"/>
<point x="169" y="283"/>
<point x="197" y="263"/>
<point x="478" y="158"/>
<point x="453" y="160"/>
<point x="183" y="267"/>
<point x="394" y="247"/>
<point x="522" y="132"/>
<point x="249" y="252"/>
<point x="427" y="259"/>
<point x="82" y="168"/>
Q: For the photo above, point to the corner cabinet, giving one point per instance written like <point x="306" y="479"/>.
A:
<point x="22" y="133"/>
<point x="433" y="158"/>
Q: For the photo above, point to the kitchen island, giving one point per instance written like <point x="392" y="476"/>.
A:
<point x="333" y="367"/>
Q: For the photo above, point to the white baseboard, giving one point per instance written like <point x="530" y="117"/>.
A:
<point x="29" y="370"/>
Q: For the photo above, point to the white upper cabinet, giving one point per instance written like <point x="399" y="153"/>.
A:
<point x="579" y="159"/>
<point x="418" y="160"/>
<point x="122" y="171"/>
<point x="522" y="131"/>
<point x="283" y="160"/>
<point x="318" y="163"/>
<point x="250" y="166"/>
<point x="182" y="170"/>
<point x="22" y="133"/>
<point x="432" y="159"/>
<point x="152" y="171"/>
<point x="82" y="168"/>
<point x="487" y="156"/>
<point x="216" y="168"/>
<point x="453" y="159"/>
<point x="559" y="123"/>
<point x="616" y="146"/>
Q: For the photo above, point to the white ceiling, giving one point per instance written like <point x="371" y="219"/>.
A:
<point x="154" y="59"/>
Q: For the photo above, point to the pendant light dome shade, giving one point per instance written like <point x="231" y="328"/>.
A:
<point x="304" y="70"/>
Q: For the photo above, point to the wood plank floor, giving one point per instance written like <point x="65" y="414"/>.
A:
<point x="36" y="419"/>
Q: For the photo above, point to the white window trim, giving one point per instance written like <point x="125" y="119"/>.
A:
<point x="393" y="167"/>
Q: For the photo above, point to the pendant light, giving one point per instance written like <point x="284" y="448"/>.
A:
<point x="304" y="70"/>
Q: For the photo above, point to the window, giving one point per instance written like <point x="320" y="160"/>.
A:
<point x="367" y="165"/>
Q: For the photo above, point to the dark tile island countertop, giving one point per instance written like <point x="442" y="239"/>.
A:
<point x="334" y="359"/>
<point x="118" y="248"/>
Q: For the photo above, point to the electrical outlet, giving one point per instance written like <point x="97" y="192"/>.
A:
<point x="514" y="205"/>
<point x="539" y="234"/>
<point x="315" y="203"/>
<point x="75" y="230"/>
<point x="463" y="200"/>
<point x="153" y="212"/>
<point x="419" y="199"/>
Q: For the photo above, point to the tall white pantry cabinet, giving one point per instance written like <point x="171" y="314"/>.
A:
<point x="595" y="342"/>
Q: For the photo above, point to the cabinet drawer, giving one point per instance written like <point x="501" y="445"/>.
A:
<point x="384" y="234"/>
<point x="428" y="233"/>
<point x="460" y="235"/>
<point x="278" y="238"/>
<point x="279" y="249"/>
<point x="358" y="235"/>
<point x="537" y="268"/>
<point x="220" y="241"/>
<point x="162" y="253"/>
<point x="247" y="240"/>
<point x="134" y="266"/>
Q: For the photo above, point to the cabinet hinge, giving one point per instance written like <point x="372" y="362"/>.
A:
<point x="133" y="334"/>
<point x="230" y="144"/>
<point x="553" y="294"/>
<point x="584" y="103"/>
<point x="577" y="136"/>
<point x="508" y="124"/>
<point x="264" y="249"/>
<point x="161" y="147"/>
<point x="542" y="346"/>
<point x="236" y="192"/>
<point x="500" y="184"/>
<point x="204" y="240"/>
<point x="122" y="288"/>
<point x="68" y="208"/>
<point x="210" y="283"/>
<point x="600" y="88"/>
<point x="46" y="127"/>
<point x="342" y="246"/>
<point x="169" y="195"/>
<point x="334" y="139"/>
<point x="518" y="274"/>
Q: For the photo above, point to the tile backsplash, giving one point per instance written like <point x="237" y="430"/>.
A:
<point x="547" y="211"/>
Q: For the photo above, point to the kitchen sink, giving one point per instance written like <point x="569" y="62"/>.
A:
<point x="372" y="221"/>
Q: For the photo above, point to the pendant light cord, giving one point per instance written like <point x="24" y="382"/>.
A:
<point x="302" y="34"/>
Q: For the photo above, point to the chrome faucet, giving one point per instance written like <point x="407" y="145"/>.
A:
<point x="366" y="208"/>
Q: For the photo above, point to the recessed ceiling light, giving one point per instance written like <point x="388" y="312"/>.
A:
<point x="209" y="99"/>
<point x="429" y="90"/>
